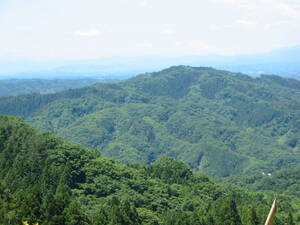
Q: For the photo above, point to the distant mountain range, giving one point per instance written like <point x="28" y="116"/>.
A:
<point x="14" y="87"/>
<point x="284" y="62"/>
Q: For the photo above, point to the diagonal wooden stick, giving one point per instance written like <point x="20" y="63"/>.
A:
<point x="271" y="215"/>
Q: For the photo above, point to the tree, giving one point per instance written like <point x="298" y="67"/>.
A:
<point x="225" y="212"/>
<point x="74" y="215"/>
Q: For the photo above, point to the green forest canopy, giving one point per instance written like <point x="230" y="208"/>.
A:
<point x="45" y="179"/>
<point x="218" y="122"/>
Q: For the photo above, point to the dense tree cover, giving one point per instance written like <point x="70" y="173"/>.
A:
<point x="16" y="87"/>
<point x="44" y="179"/>
<point x="283" y="184"/>
<point x="286" y="181"/>
<point x="217" y="122"/>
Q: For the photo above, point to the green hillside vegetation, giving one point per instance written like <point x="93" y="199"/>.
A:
<point x="218" y="122"/>
<point x="283" y="182"/>
<point x="45" y="179"/>
<point x="16" y="87"/>
<point x="286" y="181"/>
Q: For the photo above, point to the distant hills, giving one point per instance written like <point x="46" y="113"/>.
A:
<point x="218" y="122"/>
<point x="283" y="62"/>
<point x="14" y="87"/>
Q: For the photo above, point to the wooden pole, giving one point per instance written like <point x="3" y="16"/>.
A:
<point x="271" y="215"/>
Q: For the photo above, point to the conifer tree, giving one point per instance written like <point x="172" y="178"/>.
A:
<point x="226" y="212"/>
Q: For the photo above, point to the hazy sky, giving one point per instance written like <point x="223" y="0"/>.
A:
<point x="76" y="29"/>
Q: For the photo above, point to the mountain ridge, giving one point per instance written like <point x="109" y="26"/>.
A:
<point x="218" y="122"/>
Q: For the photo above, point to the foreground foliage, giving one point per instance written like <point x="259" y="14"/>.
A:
<point x="46" y="180"/>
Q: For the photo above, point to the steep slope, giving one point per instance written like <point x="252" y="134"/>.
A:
<point x="218" y="122"/>
<point x="44" y="179"/>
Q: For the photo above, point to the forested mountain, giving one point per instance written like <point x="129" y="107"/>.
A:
<point x="218" y="122"/>
<point x="15" y="87"/>
<point x="48" y="181"/>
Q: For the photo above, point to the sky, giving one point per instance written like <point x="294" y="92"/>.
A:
<point x="87" y="29"/>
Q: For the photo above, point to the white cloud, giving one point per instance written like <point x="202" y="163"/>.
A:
<point x="246" y="23"/>
<point x="195" y="46"/>
<point x="93" y="32"/>
<point x="69" y="35"/>
<point x="168" y="31"/>
<point x="144" y="3"/>
<point x="238" y="23"/>
<point x="145" y="45"/>
<point x="290" y="9"/>
<point x="220" y="27"/>
<point x="245" y="4"/>
<point x="201" y="46"/>
<point x="285" y="7"/>
<point x="276" y="24"/>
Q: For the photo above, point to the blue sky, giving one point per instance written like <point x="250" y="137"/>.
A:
<point x="84" y="29"/>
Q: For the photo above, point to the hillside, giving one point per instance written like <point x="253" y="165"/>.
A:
<point x="286" y="181"/>
<point x="45" y="179"/>
<point x="281" y="183"/>
<point x="218" y="122"/>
